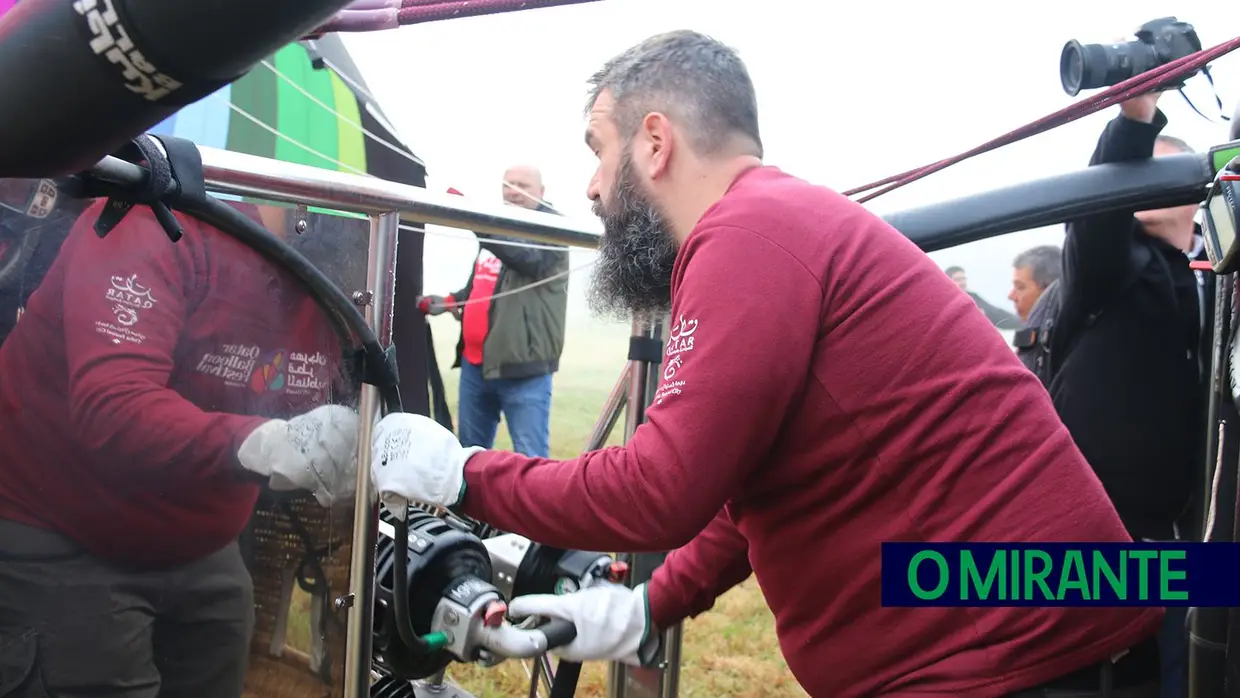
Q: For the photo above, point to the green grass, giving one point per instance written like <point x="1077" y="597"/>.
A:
<point x="730" y="651"/>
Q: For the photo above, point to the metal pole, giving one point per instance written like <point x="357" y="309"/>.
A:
<point x="661" y="680"/>
<point x="541" y="671"/>
<point x="381" y="283"/>
<point x="248" y="175"/>
<point x="1159" y="182"/>
<point x="611" y="410"/>
<point x="1216" y="384"/>
<point x="671" y="660"/>
<point x="1208" y="627"/>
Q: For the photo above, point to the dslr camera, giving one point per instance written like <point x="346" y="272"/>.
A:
<point x="1090" y="66"/>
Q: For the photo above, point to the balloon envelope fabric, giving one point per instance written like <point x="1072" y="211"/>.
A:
<point x="297" y="113"/>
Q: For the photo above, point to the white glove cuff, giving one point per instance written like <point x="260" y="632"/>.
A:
<point x="466" y="454"/>
<point x="648" y="638"/>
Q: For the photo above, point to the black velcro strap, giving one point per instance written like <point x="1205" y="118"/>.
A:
<point x="645" y="349"/>
<point x="185" y="161"/>
<point x="379" y="367"/>
<point x="159" y="184"/>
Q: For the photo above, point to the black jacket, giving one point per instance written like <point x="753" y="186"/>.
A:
<point x="1125" y="354"/>
<point x="998" y="317"/>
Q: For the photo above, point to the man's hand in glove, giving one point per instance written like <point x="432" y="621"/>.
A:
<point x="612" y="621"/>
<point x="316" y="451"/>
<point x="437" y="305"/>
<point x="413" y="458"/>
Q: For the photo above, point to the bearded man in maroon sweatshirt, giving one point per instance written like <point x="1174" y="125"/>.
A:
<point x="147" y="392"/>
<point x="825" y="388"/>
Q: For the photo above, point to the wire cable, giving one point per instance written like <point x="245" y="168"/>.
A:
<point x="361" y="90"/>
<point x="289" y="139"/>
<point x="526" y="287"/>
<point x="271" y="129"/>
<point x="378" y="139"/>
<point x="520" y="289"/>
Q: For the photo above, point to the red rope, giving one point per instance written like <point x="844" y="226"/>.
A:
<point x="1132" y="87"/>
<point x="415" y="12"/>
<point x="376" y="15"/>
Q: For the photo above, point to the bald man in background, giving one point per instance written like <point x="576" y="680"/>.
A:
<point x="512" y="312"/>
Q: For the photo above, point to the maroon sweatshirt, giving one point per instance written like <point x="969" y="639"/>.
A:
<point x="825" y="389"/>
<point x="134" y="375"/>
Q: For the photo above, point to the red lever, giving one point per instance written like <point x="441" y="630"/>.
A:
<point x="617" y="571"/>
<point x="1200" y="265"/>
<point x="493" y="617"/>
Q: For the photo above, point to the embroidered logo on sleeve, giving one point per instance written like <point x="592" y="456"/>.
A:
<point x="128" y="299"/>
<point x="43" y="201"/>
<point x="679" y="345"/>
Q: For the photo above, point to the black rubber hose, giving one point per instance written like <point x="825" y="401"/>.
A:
<point x="339" y="307"/>
<point x="403" y="615"/>
<point x="347" y="318"/>
<point x="83" y="78"/>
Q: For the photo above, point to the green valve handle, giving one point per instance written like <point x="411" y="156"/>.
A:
<point x="436" y="641"/>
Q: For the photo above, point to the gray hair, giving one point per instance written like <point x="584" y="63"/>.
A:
<point x="1045" y="263"/>
<point x="1178" y="143"/>
<point x="699" y="82"/>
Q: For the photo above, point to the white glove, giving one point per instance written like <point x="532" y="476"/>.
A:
<point x="413" y="458"/>
<point x="612" y="621"/>
<point x="316" y="451"/>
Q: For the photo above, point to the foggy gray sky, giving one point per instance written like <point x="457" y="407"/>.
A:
<point x="848" y="93"/>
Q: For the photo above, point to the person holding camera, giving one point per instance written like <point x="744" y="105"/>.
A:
<point x="1127" y="374"/>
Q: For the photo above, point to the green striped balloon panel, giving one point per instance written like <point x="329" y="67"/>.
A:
<point x="301" y="115"/>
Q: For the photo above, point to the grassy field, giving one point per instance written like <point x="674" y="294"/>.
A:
<point x="730" y="651"/>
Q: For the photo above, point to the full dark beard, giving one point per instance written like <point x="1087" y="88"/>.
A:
<point x="636" y="254"/>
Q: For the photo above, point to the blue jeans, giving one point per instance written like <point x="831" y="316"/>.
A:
<point x="524" y="402"/>
<point x="1173" y="648"/>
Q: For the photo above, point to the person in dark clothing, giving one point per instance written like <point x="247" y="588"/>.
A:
<point x="998" y="317"/>
<point x="1035" y="293"/>
<point x="1126" y="352"/>
<point x="513" y="311"/>
<point x="147" y="393"/>
<point x="1033" y="271"/>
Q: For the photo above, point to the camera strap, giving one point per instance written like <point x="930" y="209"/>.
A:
<point x="1205" y="70"/>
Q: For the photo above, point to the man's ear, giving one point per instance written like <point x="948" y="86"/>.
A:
<point x="657" y="131"/>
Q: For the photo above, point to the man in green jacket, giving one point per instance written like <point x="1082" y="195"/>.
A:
<point x="512" y="313"/>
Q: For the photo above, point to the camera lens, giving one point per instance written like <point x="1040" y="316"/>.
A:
<point x="1090" y="66"/>
<point x="1071" y="67"/>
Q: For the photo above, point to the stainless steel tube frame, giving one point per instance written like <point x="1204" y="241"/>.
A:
<point x="612" y="410"/>
<point x="249" y="175"/>
<point x="381" y="285"/>
<point x="388" y="203"/>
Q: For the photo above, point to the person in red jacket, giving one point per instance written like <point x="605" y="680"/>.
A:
<point x="825" y="389"/>
<point x="146" y="394"/>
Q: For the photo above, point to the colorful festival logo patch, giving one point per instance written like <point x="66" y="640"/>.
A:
<point x="269" y="375"/>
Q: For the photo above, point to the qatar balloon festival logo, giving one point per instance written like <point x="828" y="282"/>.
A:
<point x="270" y="374"/>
